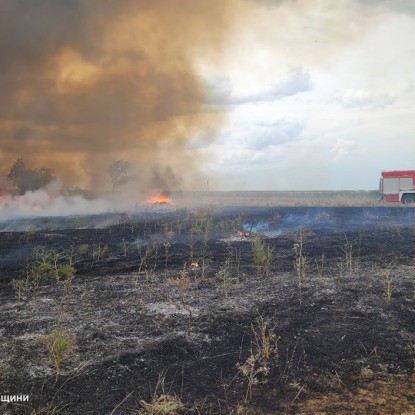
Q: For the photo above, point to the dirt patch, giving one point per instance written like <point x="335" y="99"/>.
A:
<point x="179" y="304"/>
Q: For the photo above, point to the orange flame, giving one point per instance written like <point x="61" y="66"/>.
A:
<point x="160" y="200"/>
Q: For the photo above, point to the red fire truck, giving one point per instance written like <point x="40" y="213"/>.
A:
<point x="398" y="186"/>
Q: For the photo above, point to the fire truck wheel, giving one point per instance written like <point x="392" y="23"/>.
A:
<point x="408" y="199"/>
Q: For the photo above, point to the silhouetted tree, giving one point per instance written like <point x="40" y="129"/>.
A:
<point x="118" y="172"/>
<point x="25" y="179"/>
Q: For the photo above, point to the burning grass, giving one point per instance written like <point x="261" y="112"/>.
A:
<point x="160" y="199"/>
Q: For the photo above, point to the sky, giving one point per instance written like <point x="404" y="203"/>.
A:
<point x="242" y="94"/>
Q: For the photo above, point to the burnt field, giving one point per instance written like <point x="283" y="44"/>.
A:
<point x="244" y="310"/>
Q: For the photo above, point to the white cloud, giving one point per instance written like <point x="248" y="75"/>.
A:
<point x="256" y="143"/>
<point x="297" y="81"/>
<point x="366" y="99"/>
<point x="354" y="116"/>
<point x="265" y="135"/>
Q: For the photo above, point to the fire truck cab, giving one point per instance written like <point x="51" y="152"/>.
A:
<point x="398" y="186"/>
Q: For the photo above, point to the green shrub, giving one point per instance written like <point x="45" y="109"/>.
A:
<point x="83" y="249"/>
<point x="263" y="254"/>
<point x="59" y="345"/>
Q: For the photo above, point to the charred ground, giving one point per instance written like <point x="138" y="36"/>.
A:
<point x="170" y="303"/>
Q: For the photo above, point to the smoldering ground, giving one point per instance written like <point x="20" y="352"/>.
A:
<point x="340" y="327"/>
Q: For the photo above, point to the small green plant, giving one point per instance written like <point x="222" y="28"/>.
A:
<point x="59" y="345"/>
<point x="258" y="251"/>
<point x="146" y="252"/>
<point x="43" y="265"/>
<point x="348" y="256"/>
<point x="349" y="250"/>
<point x="70" y="254"/>
<point x="301" y="260"/>
<point x="386" y="272"/>
<point x="98" y="252"/>
<point x="225" y="275"/>
<point x="54" y="265"/>
<point x="301" y="264"/>
<point x="200" y="226"/>
<point x="20" y="286"/>
<point x="320" y="264"/>
<point x="263" y="255"/>
<point x="55" y="258"/>
<point x="83" y="249"/>
<point x="229" y="282"/>
<point x="388" y="286"/>
<point x="67" y="271"/>
<point x="207" y="227"/>
<point x="33" y="275"/>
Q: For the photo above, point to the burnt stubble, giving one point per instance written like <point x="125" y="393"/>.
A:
<point x="164" y="302"/>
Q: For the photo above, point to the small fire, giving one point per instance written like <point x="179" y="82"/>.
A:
<point x="160" y="200"/>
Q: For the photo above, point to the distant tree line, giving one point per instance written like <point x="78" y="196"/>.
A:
<point x="25" y="179"/>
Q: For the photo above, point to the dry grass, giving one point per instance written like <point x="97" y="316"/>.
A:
<point x="284" y="198"/>
<point x="162" y="403"/>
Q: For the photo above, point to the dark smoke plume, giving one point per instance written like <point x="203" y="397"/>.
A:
<point x="86" y="82"/>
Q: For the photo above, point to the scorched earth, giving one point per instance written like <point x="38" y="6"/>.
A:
<point x="285" y="310"/>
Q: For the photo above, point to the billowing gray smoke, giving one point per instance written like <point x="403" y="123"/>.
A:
<point x="87" y="82"/>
